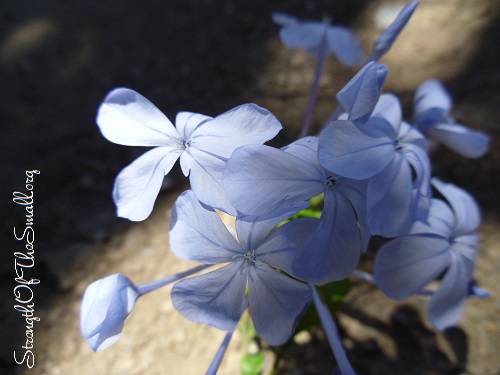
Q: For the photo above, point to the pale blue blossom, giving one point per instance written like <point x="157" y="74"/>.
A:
<point x="446" y="245"/>
<point x="392" y="156"/>
<point x="315" y="36"/>
<point x="252" y="261"/>
<point x="385" y="41"/>
<point x="107" y="303"/>
<point x="202" y="143"/>
<point x="431" y="112"/>
<point x="262" y="180"/>
<point x="360" y="95"/>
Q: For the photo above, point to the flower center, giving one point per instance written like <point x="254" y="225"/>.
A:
<point x="249" y="256"/>
<point x="330" y="181"/>
<point x="186" y="143"/>
<point x="398" y="145"/>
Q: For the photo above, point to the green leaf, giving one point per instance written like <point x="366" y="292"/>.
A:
<point x="251" y="364"/>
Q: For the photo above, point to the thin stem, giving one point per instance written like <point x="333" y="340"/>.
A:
<point x="322" y="54"/>
<point x="153" y="285"/>
<point x="332" y="334"/>
<point x="214" y="366"/>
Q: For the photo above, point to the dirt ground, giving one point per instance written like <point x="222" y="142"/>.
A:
<point x="57" y="62"/>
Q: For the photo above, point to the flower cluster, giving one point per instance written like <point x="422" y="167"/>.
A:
<point x="370" y="167"/>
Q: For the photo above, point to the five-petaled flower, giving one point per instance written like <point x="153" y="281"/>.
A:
<point x="254" y="261"/>
<point x="446" y="244"/>
<point x="202" y="143"/>
<point x="431" y="113"/>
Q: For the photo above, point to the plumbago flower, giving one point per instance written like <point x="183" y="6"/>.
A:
<point x="202" y="143"/>
<point x="360" y="95"/>
<point x="385" y="41"/>
<point x="251" y="278"/>
<point x="109" y="301"/>
<point x="431" y="113"/>
<point x="218" y="298"/>
<point x="264" y="180"/>
<point x="392" y="156"/>
<point x="447" y="244"/>
<point x="320" y="38"/>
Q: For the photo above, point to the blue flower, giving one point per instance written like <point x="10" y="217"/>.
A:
<point x="107" y="303"/>
<point x="105" y="306"/>
<point x="217" y="298"/>
<point x="360" y="95"/>
<point x="432" y="106"/>
<point x="315" y="36"/>
<point x="446" y="245"/>
<point x="262" y="180"/>
<point x="385" y="41"/>
<point x="392" y="156"/>
<point x="202" y="143"/>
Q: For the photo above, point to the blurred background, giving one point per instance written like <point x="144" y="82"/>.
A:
<point x="58" y="59"/>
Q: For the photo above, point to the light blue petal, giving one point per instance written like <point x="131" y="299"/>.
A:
<point x="446" y="306"/>
<point x="243" y="125"/>
<point x="403" y="266"/>
<point x="389" y="35"/>
<point x="280" y="248"/>
<point x="464" y="141"/>
<point x="440" y="221"/>
<point x="127" y="118"/>
<point x="360" y="95"/>
<point x="422" y="191"/>
<point x="344" y="45"/>
<point x="409" y="135"/>
<point x="137" y="185"/>
<point x="389" y="200"/>
<point x="388" y="108"/>
<point x="431" y="104"/>
<point x="307" y="35"/>
<point x="198" y="234"/>
<point x="187" y="122"/>
<point x="332" y="252"/>
<point x="467" y="214"/>
<point x="284" y="19"/>
<point x="253" y="230"/>
<point x="347" y="150"/>
<point x="466" y="245"/>
<point x="259" y="180"/>
<point x="276" y="303"/>
<point x="205" y="176"/>
<point x="216" y="298"/>
<point x="307" y="149"/>
<point x="105" y="306"/>
<point x="355" y="191"/>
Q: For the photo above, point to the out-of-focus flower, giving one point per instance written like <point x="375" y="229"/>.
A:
<point x="431" y="113"/>
<point x="316" y="36"/>
<point x="385" y="41"/>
